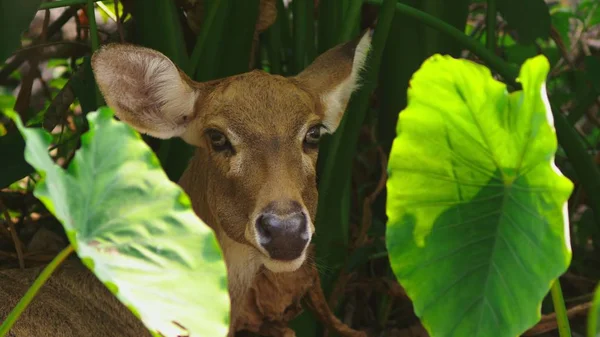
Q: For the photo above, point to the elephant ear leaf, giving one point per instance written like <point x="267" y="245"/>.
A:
<point x="477" y="218"/>
<point x="134" y="228"/>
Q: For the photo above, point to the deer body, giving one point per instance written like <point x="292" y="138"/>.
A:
<point x="252" y="178"/>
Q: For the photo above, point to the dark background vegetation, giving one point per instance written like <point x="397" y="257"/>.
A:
<point x="45" y="76"/>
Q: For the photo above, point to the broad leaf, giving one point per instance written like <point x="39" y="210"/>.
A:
<point x="134" y="228"/>
<point x="15" y="17"/>
<point x="530" y="18"/>
<point x="477" y="226"/>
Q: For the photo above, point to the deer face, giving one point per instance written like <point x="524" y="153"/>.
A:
<point x="256" y="134"/>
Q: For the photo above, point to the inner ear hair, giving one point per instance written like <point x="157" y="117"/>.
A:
<point x="335" y="75"/>
<point x="145" y="89"/>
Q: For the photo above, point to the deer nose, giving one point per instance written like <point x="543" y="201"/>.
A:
<point x="284" y="237"/>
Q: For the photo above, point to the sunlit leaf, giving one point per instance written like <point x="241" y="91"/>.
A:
<point x="477" y="227"/>
<point x="134" y="228"/>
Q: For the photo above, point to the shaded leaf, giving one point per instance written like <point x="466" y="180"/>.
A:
<point x="134" y="228"/>
<point x="477" y="228"/>
<point x="14" y="167"/>
<point x="15" y="17"/>
<point x="530" y="18"/>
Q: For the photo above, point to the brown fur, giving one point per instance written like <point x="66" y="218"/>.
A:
<point x="266" y="118"/>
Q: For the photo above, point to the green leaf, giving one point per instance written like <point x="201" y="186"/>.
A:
<point x="134" y="228"/>
<point x="594" y="316"/>
<point x="15" y="17"/>
<point x="477" y="227"/>
<point x="530" y="18"/>
<point x="14" y="167"/>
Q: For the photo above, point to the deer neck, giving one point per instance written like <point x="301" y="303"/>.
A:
<point x="242" y="260"/>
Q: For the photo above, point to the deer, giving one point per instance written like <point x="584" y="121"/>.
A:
<point x="252" y="178"/>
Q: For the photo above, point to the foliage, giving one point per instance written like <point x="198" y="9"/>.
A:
<point x="473" y="195"/>
<point x="594" y="316"/>
<point x="131" y="226"/>
<point x="14" y="19"/>
<point x="213" y="39"/>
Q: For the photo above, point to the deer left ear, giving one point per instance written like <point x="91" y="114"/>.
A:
<point x="334" y="76"/>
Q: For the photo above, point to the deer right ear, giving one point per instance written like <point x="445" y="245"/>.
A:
<point x="145" y="89"/>
<point x="334" y="76"/>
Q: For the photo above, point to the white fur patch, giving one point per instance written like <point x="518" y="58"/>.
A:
<point x="243" y="262"/>
<point x="335" y="100"/>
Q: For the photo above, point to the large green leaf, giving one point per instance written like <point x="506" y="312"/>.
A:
<point x="134" y="228"/>
<point x="15" y="17"/>
<point x="477" y="227"/>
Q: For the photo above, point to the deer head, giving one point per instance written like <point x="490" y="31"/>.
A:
<point x="252" y="178"/>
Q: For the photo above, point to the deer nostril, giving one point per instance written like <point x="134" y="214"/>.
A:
<point x="263" y="226"/>
<point x="284" y="237"/>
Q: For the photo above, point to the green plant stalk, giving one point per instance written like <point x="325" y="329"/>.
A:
<point x="561" y="311"/>
<point x="91" y="13"/>
<point x="300" y="34"/>
<point x="506" y="70"/>
<point x="579" y="110"/>
<point x="63" y="3"/>
<point x="334" y="183"/>
<point x="490" y="26"/>
<point x="273" y="42"/>
<point x="309" y="44"/>
<point x="582" y="162"/>
<point x="203" y="37"/>
<point x="33" y="290"/>
<point x="351" y="20"/>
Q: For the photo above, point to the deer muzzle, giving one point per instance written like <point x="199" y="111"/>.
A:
<point x="283" y="235"/>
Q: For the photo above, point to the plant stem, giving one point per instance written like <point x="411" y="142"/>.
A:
<point x="91" y="14"/>
<point x="583" y="164"/>
<point x="300" y="34"/>
<point x="63" y="3"/>
<point x="490" y="26"/>
<point x="203" y="37"/>
<point x="351" y="20"/>
<point x="561" y="311"/>
<point x="335" y="179"/>
<point x="33" y="290"/>
<point x="508" y="71"/>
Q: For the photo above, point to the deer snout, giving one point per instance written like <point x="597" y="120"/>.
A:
<point x="284" y="237"/>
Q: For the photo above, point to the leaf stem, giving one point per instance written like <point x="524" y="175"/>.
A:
<point x="62" y="3"/>
<point x="33" y="290"/>
<point x="507" y="70"/>
<point x="300" y="32"/>
<point x="490" y="26"/>
<point x="91" y="14"/>
<point x="351" y="20"/>
<point x="561" y="311"/>
<point x="203" y="37"/>
<point x="583" y="164"/>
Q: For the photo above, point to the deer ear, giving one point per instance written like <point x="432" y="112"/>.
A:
<point x="334" y="76"/>
<point x="145" y="89"/>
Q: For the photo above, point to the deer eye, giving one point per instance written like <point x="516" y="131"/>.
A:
<point x="313" y="135"/>
<point x="218" y="140"/>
